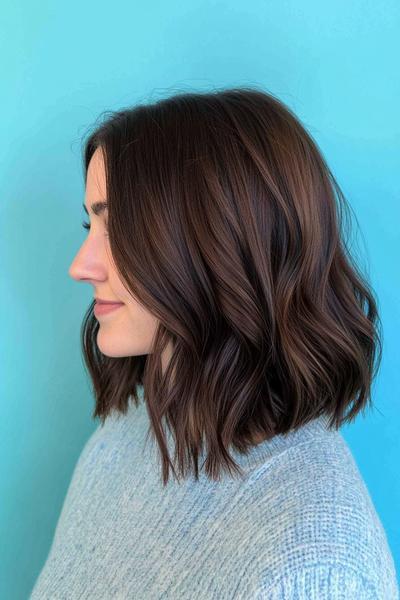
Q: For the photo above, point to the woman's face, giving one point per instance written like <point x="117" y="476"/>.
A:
<point x="128" y="330"/>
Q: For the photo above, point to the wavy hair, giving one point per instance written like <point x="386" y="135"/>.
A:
<point x="225" y="222"/>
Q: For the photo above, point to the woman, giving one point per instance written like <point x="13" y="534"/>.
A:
<point x="239" y="321"/>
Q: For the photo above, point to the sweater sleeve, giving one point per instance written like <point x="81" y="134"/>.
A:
<point x="328" y="582"/>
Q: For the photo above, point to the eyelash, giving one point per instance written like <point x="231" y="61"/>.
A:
<point x="87" y="226"/>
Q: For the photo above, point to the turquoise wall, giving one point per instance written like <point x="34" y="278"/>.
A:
<point x="335" y="64"/>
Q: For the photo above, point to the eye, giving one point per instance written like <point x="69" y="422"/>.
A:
<point x="87" y="226"/>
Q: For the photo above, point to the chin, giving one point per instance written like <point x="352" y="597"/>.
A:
<point x="114" y="347"/>
<point x="112" y="353"/>
<point x="108" y="347"/>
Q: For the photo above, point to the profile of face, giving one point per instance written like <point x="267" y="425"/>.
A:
<point x="129" y="329"/>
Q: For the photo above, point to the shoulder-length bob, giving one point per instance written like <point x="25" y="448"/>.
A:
<point x="225" y="222"/>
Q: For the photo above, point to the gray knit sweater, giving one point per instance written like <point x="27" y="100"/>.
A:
<point x="300" y="524"/>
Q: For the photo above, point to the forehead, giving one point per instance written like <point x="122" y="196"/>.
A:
<point x="95" y="179"/>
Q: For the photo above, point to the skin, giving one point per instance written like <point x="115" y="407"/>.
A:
<point x="129" y="330"/>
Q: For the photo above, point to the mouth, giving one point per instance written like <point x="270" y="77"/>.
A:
<point x="103" y="308"/>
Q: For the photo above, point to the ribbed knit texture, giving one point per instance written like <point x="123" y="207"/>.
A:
<point x="300" y="524"/>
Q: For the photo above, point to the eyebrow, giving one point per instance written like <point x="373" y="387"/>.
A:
<point x="97" y="207"/>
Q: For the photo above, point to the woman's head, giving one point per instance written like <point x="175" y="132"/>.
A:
<point x="243" y="314"/>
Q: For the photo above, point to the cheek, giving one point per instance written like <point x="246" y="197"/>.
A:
<point x="135" y="315"/>
<point x="118" y="289"/>
<point x="141" y="320"/>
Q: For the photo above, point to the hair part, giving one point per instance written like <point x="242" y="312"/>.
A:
<point x="226" y="223"/>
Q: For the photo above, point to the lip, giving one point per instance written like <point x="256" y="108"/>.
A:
<point x="103" y="308"/>
<point x="100" y="301"/>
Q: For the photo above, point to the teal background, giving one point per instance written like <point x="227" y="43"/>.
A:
<point x="335" y="64"/>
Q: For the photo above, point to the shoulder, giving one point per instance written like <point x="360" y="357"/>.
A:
<point x="319" y="526"/>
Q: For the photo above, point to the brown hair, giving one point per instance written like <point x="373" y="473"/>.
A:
<point x="225" y="222"/>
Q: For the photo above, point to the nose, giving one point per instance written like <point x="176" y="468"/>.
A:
<point x="76" y="267"/>
<point x="73" y="271"/>
<point x="88" y="265"/>
<point x="76" y="271"/>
